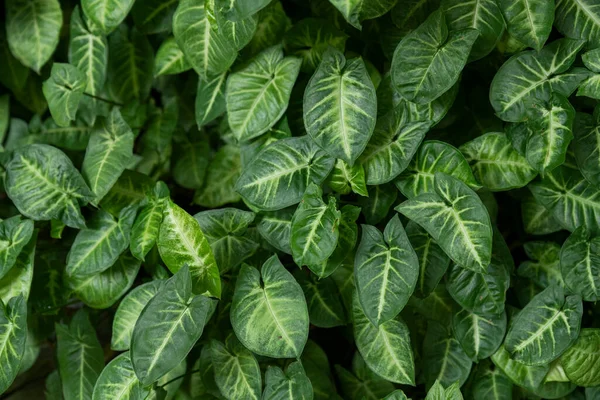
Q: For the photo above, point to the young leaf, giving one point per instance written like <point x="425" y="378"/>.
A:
<point x="118" y="381"/>
<point x="386" y="348"/>
<point x="106" y="15"/>
<point x="533" y="76"/>
<point x="32" y="30"/>
<point x="291" y="384"/>
<point x="325" y="308"/>
<point x="580" y="264"/>
<point x="280" y="174"/>
<point x="182" y="242"/>
<point x="356" y="11"/>
<point x="146" y="227"/>
<point x="19" y="278"/>
<point x="236" y="370"/>
<point x="545" y="328"/>
<point x="345" y="179"/>
<point x="170" y="60"/>
<point x="529" y="377"/>
<point x="210" y="98"/>
<point x="315" y="228"/>
<point x="268" y="311"/>
<point x="15" y="234"/>
<point x="340" y="106"/>
<point x="544" y="268"/>
<point x="88" y="52"/>
<point x="551" y="132"/>
<point x="63" y="91"/>
<point x="97" y="247"/>
<point x="43" y="184"/>
<point x="479" y="336"/>
<point x="528" y="21"/>
<point x="129" y="189"/>
<point x="258" y="95"/>
<point x="457" y="219"/>
<point x="80" y="357"/>
<point x="428" y="61"/>
<point x="276" y="228"/>
<point x="386" y="270"/>
<point x="13" y="335"/>
<point x="168" y="327"/>
<point x="434" y="156"/>
<point x="496" y="164"/>
<point x="580" y="360"/>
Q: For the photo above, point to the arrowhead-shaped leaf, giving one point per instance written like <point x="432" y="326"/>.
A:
<point x="236" y="370"/>
<point x="63" y="91"/>
<point x="118" y="381"/>
<point x="529" y="21"/>
<point x="13" y="336"/>
<point x="287" y="385"/>
<point x="580" y="264"/>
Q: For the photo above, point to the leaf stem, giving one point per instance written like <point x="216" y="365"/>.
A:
<point x="114" y="103"/>
<point x="179" y="377"/>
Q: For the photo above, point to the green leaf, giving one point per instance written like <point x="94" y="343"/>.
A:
<point x="210" y="98"/>
<point x="483" y="293"/>
<point x="88" y="52"/>
<point x="587" y="147"/>
<point x="579" y="19"/>
<point x="529" y="377"/>
<point x="386" y="348"/>
<point x="551" y="132"/>
<point x="53" y="388"/>
<point x="571" y="199"/>
<point x="13" y="335"/>
<point x="223" y="172"/>
<point x="191" y="166"/>
<point x="237" y="373"/>
<point x="345" y="179"/>
<point x="102" y="290"/>
<point x="130" y="65"/>
<point x="225" y="229"/>
<point x="280" y="174"/>
<point x="276" y="228"/>
<point x="97" y="247"/>
<point x="73" y="137"/>
<point x="340" y="106"/>
<point x="239" y="9"/>
<point x="348" y="233"/>
<point x="396" y="395"/>
<point x="483" y="15"/>
<point x="19" y="278"/>
<point x="128" y="313"/>
<point x="580" y="361"/>
<point x="437" y="392"/>
<point x="545" y="328"/>
<point x="544" y="270"/>
<point x="491" y="383"/>
<point x="209" y="49"/>
<point x="356" y="11"/>
<point x="129" y="189"/>
<point x="434" y="156"/>
<point x="533" y="76"/>
<point x="433" y="262"/>
<point x="537" y="220"/>
<point x="32" y="30"/>
<point x="377" y="205"/>
<point x="258" y="95"/>
<point x="386" y="269"/>
<point x="325" y="306"/>
<point x="428" y="61"/>
<point x="528" y="21"/>
<point x="315" y="228"/>
<point x="15" y="234"/>
<point x="394" y="142"/>
<point x="496" y="164"/>
<point x="310" y="38"/>
<point x="13" y="74"/>
<point x="80" y="357"/>
<point x="106" y="15"/>
<point x="315" y="363"/>
<point x="457" y="219"/>
<point x="108" y="153"/>
<point x="269" y="313"/>
<point x="291" y="384"/>
<point x="182" y="242"/>
<point x="153" y="16"/>
<point x="168" y="327"/>
<point x="170" y="60"/>
<point x="272" y="25"/>
<point x="479" y="336"/>
<point x="118" y="381"/>
<point x="444" y="360"/>
<point x="362" y="383"/>
<point x="580" y="264"/>
<point x="63" y="91"/>
<point x="43" y="184"/>
<point x="146" y="227"/>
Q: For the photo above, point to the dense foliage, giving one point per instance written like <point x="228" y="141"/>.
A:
<point x="293" y="199"/>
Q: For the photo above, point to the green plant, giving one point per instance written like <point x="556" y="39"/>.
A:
<point x="290" y="199"/>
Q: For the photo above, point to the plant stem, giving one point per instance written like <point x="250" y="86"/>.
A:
<point x="114" y="103"/>
<point x="179" y="377"/>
